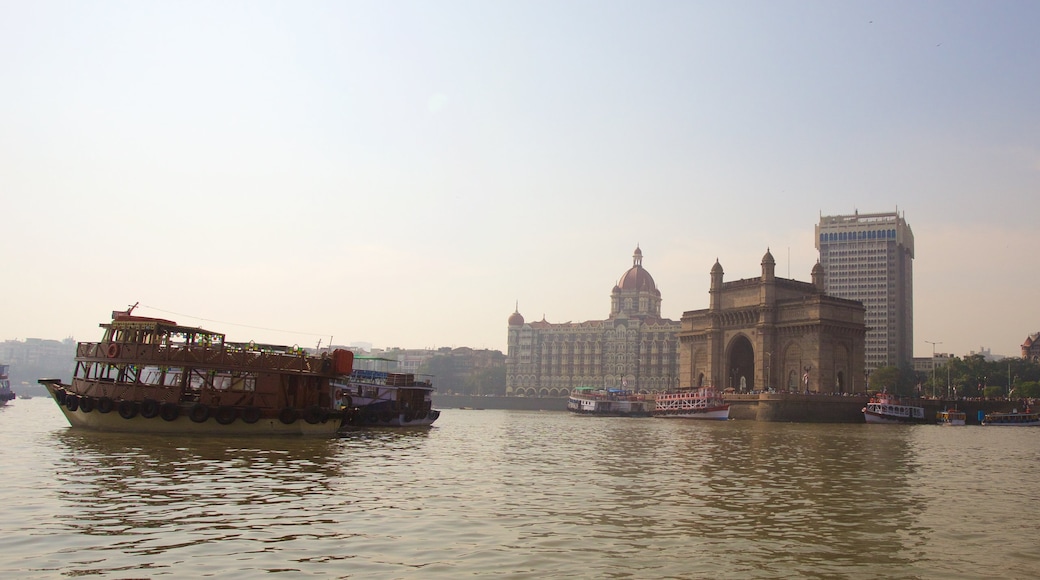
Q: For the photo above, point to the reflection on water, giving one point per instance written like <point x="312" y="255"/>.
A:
<point x="521" y="495"/>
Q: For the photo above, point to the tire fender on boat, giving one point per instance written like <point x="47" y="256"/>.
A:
<point x="312" y="415"/>
<point x="288" y="416"/>
<point x="105" y="405"/>
<point x="150" y="408"/>
<point x="199" y="413"/>
<point x="71" y="402"/>
<point x="87" y="404"/>
<point x="170" y="411"/>
<point x="127" y="409"/>
<point x="250" y="415"/>
<point x="225" y="415"/>
<point x="113" y="350"/>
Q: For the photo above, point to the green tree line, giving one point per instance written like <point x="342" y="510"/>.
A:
<point x="971" y="376"/>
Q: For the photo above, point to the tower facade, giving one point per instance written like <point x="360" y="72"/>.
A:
<point x="633" y="349"/>
<point x="869" y="258"/>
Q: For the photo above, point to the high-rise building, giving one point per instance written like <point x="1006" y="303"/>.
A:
<point x="869" y="257"/>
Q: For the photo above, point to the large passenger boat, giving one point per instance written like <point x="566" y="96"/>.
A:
<point x="378" y="398"/>
<point x="702" y="403"/>
<point x="1028" y="418"/>
<point x="152" y="375"/>
<point x="885" y="407"/>
<point x="608" y="403"/>
<point x="6" y="394"/>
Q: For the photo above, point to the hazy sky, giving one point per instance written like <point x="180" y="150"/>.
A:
<point x="405" y="173"/>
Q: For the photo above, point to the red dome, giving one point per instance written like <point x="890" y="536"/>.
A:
<point x="515" y="319"/>
<point x="636" y="279"/>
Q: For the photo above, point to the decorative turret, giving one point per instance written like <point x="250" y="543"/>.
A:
<point x="817" y="277"/>
<point x="768" y="267"/>
<point x="716" y="283"/>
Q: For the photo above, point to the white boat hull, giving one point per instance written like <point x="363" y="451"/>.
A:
<point x="877" y="418"/>
<point x="716" y="414"/>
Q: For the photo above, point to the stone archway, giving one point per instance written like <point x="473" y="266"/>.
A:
<point x="741" y="365"/>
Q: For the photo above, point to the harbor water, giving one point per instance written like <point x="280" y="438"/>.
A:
<point x="521" y="494"/>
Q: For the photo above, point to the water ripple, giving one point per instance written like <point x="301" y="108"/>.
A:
<point x="521" y="495"/>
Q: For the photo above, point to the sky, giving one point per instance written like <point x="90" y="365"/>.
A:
<point x="407" y="174"/>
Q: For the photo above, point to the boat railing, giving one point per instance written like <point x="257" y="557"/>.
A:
<point x="218" y="356"/>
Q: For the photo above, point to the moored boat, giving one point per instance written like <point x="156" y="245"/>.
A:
<point x="151" y="375"/>
<point x="702" y="403"/>
<point x="1028" y="418"/>
<point x="6" y="394"/>
<point x="376" y="398"/>
<point x="885" y="407"/>
<point x="609" y="403"/>
<point x="951" y="417"/>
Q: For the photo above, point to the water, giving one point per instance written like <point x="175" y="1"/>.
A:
<point x="522" y="495"/>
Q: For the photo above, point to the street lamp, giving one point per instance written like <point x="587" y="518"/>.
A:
<point x="933" y="364"/>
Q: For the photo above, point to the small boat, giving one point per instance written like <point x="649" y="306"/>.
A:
<point x="702" y="403"/>
<point x="1012" y="419"/>
<point x="951" y="417"/>
<point x="376" y="398"/>
<point x="6" y="394"/>
<point x="149" y="375"/>
<point x="887" y="408"/>
<point x="609" y="403"/>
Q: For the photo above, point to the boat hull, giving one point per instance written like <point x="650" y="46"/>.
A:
<point x="712" y="414"/>
<point x="882" y="419"/>
<point x="608" y="408"/>
<point x="112" y="421"/>
<point x="398" y="420"/>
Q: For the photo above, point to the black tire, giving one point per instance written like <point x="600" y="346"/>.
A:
<point x="250" y="415"/>
<point x="105" y="405"/>
<point x="150" y="408"/>
<point x="127" y="409"/>
<point x="199" y="413"/>
<point x="60" y="395"/>
<point x="71" y="402"/>
<point x="288" y="416"/>
<point x="312" y="415"/>
<point x="170" y="411"/>
<point x="87" y="404"/>
<point x="225" y="415"/>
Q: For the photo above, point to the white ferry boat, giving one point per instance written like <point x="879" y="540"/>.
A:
<point x="1013" y="419"/>
<point x="885" y="407"/>
<point x="951" y="417"/>
<point x="608" y="403"/>
<point x="702" y="403"/>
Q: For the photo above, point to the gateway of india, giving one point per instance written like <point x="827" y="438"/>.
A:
<point x="757" y="334"/>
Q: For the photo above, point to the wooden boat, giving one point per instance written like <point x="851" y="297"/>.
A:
<point x="951" y="417"/>
<point x="702" y="403"/>
<point x="6" y="394"/>
<point x="1012" y="419"/>
<point x="377" y="398"/>
<point x="151" y="375"/>
<point x="608" y="403"/>
<point x="885" y="407"/>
